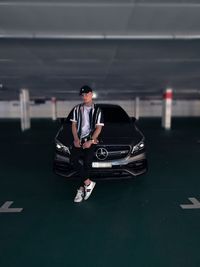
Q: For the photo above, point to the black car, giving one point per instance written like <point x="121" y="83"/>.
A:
<point x="119" y="153"/>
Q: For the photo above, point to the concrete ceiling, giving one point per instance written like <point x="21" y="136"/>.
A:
<point x="121" y="48"/>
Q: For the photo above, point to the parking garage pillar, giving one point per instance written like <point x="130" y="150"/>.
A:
<point x="167" y="109"/>
<point x="137" y="107"/>
<point x="25" y="109"/>
<point x="54" y="108"/>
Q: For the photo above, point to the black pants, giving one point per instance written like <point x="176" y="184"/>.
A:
<point x="86" y="155"/>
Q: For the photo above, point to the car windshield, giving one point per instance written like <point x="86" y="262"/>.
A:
<point x="115" y="115"/>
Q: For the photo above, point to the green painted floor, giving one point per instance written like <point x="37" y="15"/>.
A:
<point x="137" y="222"/>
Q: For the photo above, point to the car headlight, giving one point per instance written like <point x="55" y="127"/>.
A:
<point x="61" y="147"/>
<point x="138" y="147"/>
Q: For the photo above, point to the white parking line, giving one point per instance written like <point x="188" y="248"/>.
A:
<point x="6" y="205"/>
<point x="195" y="204"/>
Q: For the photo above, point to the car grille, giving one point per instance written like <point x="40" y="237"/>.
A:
<point x="111" y="152"/>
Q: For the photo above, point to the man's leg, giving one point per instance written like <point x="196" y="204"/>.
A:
<point x="88" y="154"/>
<point x="87" y="165"/>
<point x="74" y="158"/>
<point x="76" y="152"/>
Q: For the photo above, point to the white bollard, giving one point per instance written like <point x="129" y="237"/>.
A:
<point x="25" y="109"/>
<point x="137" y="108"/>
<point x="54" y="108"/>
<point x="167" y="109"/>
<point x="22" y="112"/>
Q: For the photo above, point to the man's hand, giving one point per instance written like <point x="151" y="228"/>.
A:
<point x="96" y="141"/>
<point x="77" y="143"/>
<point x="87" y="144"/>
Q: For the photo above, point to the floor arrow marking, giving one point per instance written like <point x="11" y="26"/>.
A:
<point x="6" y="205"/>
<point x="195" y="204"/>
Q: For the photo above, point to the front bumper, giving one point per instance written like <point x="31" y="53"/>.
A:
<point x="130" y="166"/>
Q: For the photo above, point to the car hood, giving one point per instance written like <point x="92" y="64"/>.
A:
<point x="120" y="134"/>
<point x="112" y="134"/>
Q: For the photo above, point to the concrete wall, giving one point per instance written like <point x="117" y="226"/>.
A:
<point x="148" y="108"/>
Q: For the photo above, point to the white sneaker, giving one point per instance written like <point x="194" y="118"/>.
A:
<point x="88" y="189"/>
<point x="79" y="195"/>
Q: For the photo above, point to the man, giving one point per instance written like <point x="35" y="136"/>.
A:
<point x="87" y="122"/>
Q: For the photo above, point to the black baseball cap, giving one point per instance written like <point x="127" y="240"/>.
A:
<point x="85" y="89"/>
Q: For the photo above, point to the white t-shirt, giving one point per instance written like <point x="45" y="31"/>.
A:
<point x="86" y="121"/>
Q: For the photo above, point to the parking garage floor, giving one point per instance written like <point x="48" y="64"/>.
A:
<point x="136" y="222"/>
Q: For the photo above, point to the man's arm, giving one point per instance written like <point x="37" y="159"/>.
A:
<point x="96" y="133"/>
<point x="75" y="134"/>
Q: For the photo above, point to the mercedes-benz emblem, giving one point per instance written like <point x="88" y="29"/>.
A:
<point x="101" y="153"/>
